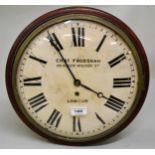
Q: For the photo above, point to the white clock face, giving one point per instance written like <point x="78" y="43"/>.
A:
<point x="90" y="92"/>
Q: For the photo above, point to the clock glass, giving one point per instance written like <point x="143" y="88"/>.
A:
<point x="77" y="77"/>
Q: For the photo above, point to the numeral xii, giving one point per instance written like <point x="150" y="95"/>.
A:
<point x="78" y="35"/>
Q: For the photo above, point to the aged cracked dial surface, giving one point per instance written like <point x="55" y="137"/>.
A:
<point x="89" y="92"/>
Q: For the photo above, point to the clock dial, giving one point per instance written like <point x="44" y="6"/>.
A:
<point x="77" y="75"/>
<point x="97" y="57"/>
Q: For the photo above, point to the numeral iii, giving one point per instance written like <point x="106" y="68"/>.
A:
<point x="121" y="82"/>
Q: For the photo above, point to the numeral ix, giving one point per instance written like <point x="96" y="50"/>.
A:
<point x="35" y="81"/>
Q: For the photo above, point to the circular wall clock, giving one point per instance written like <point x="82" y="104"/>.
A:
<point x="77" y="75"/>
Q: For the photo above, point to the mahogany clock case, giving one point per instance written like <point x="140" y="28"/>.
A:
<point x="75" y="10"/>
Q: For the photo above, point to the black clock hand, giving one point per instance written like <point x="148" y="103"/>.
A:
<point x="77" y="82"/>
<point x="99" y="94"/>
<point x="62" y="57"/>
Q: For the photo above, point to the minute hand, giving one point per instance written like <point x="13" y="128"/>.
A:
<point x="62" y="57"/>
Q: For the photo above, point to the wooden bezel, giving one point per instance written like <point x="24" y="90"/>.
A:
<point x="86" y="11"/>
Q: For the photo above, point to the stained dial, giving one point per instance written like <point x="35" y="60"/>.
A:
<point x="89" y="92"/>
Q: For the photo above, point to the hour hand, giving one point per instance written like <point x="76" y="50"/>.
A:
<point x="99" y="94"/>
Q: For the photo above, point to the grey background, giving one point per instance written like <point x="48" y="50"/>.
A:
<point x="139" y="134"/>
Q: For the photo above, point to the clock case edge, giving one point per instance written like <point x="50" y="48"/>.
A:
<point x="76" y="10"/>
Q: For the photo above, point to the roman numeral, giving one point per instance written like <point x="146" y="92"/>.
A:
<point x="78" y="36"/>
<point x="55" y="118"/>
<point x="38" y="102"/>
<point x="35" y="81"/>
<point x="101" y="43"/>
<point x="76" y="124"/>
<point x="116" y="60"/>
<point x="121" y="82"/>
<point x="99" y="118"/>
<point x="114" y="103"/>
<point x="38" y="59"/>
<point x="53" y="39"/>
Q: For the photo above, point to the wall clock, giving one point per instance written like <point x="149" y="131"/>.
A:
<point x="77" y="75"/>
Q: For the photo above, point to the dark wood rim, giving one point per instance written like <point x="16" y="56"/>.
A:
<point x="77" y="10"/>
